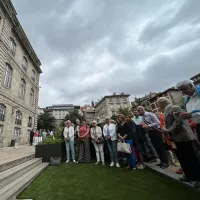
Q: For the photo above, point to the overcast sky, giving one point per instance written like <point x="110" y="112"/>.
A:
<point x="92" y="48"/>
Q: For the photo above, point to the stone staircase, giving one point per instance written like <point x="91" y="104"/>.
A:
<point x="17" y="174"/>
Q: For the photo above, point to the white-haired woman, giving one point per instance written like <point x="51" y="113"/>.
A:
<point x="186" y="146"/>
<point x="192" y="102"/>
<point x="98" y="141"/>
<point x="68" y="134"/>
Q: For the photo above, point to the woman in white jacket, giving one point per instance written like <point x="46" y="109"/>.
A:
<point x="98" y="141"/>
<point x="69" y="141"/>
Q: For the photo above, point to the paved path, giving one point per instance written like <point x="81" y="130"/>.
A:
<point x="11" y="154"/>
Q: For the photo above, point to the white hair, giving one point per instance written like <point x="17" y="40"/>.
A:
<point x="164" y="100"/>
<point x="141" y="108"/>
<point x="94" y="122"/>
<point x="68" y="121"/>
<point x="184" y="83"/>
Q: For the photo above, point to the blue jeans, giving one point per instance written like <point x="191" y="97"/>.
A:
<point x="130" y="157"/>
<point x="112" y="147"/>
<point x="70" y="147"/>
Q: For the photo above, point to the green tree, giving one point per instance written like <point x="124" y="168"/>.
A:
<point x="124" y="111"/>
<point x="72" y="116"/>
<point x="46" y="121"/>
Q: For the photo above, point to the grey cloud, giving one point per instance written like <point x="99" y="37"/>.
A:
<point x="92" y="48"/>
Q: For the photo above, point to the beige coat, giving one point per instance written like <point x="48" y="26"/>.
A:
<point x="179" y="129"/>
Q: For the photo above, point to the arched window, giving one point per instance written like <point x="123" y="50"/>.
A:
<point x="7" y="76"/>
<point x="25" y="64"/>
<point x="22" y="88"/>
<point x="30" y="122"/>
<point x="2" y="112"/>
<point x="12" y="46"/>
<point x="32" y="97"/>
<point x="18" y="118"/>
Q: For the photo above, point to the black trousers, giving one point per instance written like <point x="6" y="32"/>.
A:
<point x="160" y="147"/>
<point x="198" y="131"/>
<point x="188" y="155"/>
<point x="31" y="141"/>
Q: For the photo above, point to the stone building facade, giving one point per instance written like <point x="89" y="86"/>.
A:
<point x="60" y="111"/>
<point x="174" y="95"/>
<point x="109" y="105"/>
<point x="19" y="79"/>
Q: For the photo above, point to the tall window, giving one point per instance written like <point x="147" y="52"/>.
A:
<point x="12" y="46"/>
<point x="33" y="75"/>
<point x="7" y="76"/>
<point x="25" y="64"/>
<point x="30" y="122"/>
<point x="22" y="88"/>
<point x="2" y="112"/>
<point x="18" y="118"/>
<point x="32" y="97"/>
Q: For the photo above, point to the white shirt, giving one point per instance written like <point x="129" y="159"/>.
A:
<point x="69" y="133"/>
<point x="194" y="104"/>
<point x="97" y="132"/>
<point x="112" y="130"/>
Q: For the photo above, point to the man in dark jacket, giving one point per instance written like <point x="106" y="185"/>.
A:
<point x="31" y="138"/>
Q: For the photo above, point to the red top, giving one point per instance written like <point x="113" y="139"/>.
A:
<point x="83" y="130"/>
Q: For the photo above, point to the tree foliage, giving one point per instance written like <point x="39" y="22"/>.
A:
<point x="72" y="116"/>
<point x="46" y="121"/>
<point x="124" y="111"/>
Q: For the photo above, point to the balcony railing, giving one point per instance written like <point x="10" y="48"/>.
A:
<point x="2" y="116"/>
<point x="18" y="121"/>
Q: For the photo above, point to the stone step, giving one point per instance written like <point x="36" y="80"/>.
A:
<point x="9" y="175"/>
<point x="11" y="191"/>
<point x="14" y="161"/>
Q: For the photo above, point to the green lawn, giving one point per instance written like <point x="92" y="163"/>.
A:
<point x="88" y="181"/>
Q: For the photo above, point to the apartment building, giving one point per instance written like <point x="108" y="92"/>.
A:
<point x="173" y="94"/>
<point x="109" y="105"/>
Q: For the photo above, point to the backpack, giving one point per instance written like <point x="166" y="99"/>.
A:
<point x="187" y="98"/>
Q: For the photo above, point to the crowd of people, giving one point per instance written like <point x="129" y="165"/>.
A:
<point x="171" y="136"/>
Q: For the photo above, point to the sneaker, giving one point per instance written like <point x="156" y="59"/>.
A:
<point x="67" y="161"/>
<point x="134" y="168"/>
<point x="74" y="161"/>
<point x="103" y="163"/>
<point x="140" y="167"/>
<point x="117" y="165"/>
<point x="97" y="163"/>
<point x="112" y="164"/>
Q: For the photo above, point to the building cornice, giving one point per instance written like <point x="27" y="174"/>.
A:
<point x="11" y="13"/>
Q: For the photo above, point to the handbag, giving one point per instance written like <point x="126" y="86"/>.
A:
<point x="124" y="147"/>
<point x="100" y="140"/>
<point x="55" y="161"/>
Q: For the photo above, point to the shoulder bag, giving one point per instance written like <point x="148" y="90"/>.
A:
<point x="123" y="147"/>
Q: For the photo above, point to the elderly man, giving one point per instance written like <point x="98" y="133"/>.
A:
<point x="186" y="146"/>
<point x="69" y="141"/>
<point x="192" y="102"/>
<point x="151" y="123"/>
<point x="109" y="132"/>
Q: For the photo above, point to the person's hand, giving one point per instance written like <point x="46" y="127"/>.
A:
<point x="108" y="137"/>
<point x="66" y="139"/>
<point x="185" y="115"/>
<point x="145" y="126"/>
